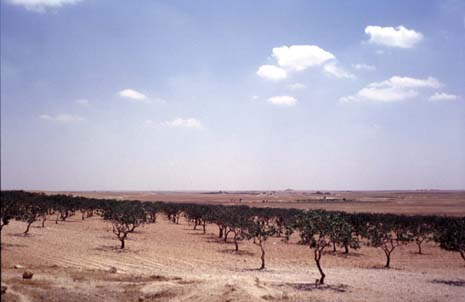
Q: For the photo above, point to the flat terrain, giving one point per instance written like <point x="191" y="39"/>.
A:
<point x="72" y="260"/>
<point x="450" y="203"/>
<point x="166" y="261"/>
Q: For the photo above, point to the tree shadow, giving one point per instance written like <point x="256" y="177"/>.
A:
<point x="265" y="270"/>
<point x="21" y="235"/>
<point x="199" y="232"/>
<point x="339" y="288"/>
<point x="212" y="238"/>
<point x="449" y="282"/>
<point x="7" y="246"/>
<point x="344" y="255"/>
<point x="115" y="248"/>
<point x="418" y="254"/>
<point x="383" y="267"/>
<point x="238" y="253"/>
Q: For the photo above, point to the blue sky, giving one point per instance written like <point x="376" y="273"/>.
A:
<point x="209" y="95"/>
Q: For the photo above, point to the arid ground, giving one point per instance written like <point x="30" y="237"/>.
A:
<point x="73" y="260"/>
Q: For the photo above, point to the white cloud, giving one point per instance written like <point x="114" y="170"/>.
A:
<point x="132" y="94"/>
<point x="41" y="5"/>
<point x="272" y="72"/>
<point x="82" y="101"/>
<point x="184" y="123"/>
<point x="300" y="57"/>
<point x="393" y="90"/>
<point x="65" y="118"/>
<point x="255" y="97"/>
<point x="296" y="86"/>
<point x="442" y="96"/>
<point x="394" y="37"/>
<point x="363" y="67"/>
<point x="283" y="100"/>
<point x="333" y="69"/>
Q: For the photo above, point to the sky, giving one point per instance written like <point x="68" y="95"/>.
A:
<point x="232" y="95"/>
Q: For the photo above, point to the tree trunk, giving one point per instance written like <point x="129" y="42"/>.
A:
<point x="235" y="243"/>
<point x="220" y="232"/>
<point x="28" y="226"/>
<point x="419" y="248"/>
<point x="226" y="236"/>
<point x="263" y="255"/>
<point x="388" y="252"/>
<point x="346" y="249"/>
<point x="462" y="253"/>
<point x="317" y="261"/>
<point x="58" y="216"/>
<point x="388" y="259"/>
<point x="195" y="224"/>
<point x="203" y="225"/>
<point x="334" y="247"/>
<point x="122" y="239"/>
<point x="43" y="221"/>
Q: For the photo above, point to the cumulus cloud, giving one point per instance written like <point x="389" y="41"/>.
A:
<point x="363" y="67"/>
<point x="393" y="37"/>
<point x="301" y="57"/>
<point x="65" y="118"/>
<point x="333" y="69"/>
<point x="132" y="94"/>
<point x="183" y="123"/>
<point x="297" y="58"/>
<point x="442" y="96"/>
<point x="296" y="86"/>
<point x="41" y="5"/>
<point x="392" y="90"/>
<point x="82" y="101"/>
<point x="283" y="100"/>
<point x="272" y="72"/>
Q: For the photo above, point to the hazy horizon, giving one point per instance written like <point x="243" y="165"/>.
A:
<point x="208" y="96"/>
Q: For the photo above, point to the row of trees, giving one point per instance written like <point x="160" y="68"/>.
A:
<point x="320" y="230"/>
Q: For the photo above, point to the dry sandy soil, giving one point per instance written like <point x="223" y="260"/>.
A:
<point x="71" y="261"/>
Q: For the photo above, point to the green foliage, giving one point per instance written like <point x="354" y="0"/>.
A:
<point x="451" y="235"/>
<point x="125" y="217"/>
<point x="318" y="229"/>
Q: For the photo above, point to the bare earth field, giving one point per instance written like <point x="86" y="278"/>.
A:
<point x="71" y="260"/>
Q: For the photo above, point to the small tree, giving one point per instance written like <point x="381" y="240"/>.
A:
<point x="343" y="234"/>
<point x="315" y="231"/>
<point x="151" y="208"/>
<point x="258" y="230"/>
<point x="199" y="214"/>
<point x="285" y="221"/>
<point x="420" y="230"/>
<point x="451" y="235"/>
<point x="30" y="212"/>
<point x="8" y="207"/>
<point x="125" y="217"/>
<point x="386" y="233"/>
<point x="237" y="222"/>
<point x="172" y="211"/>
